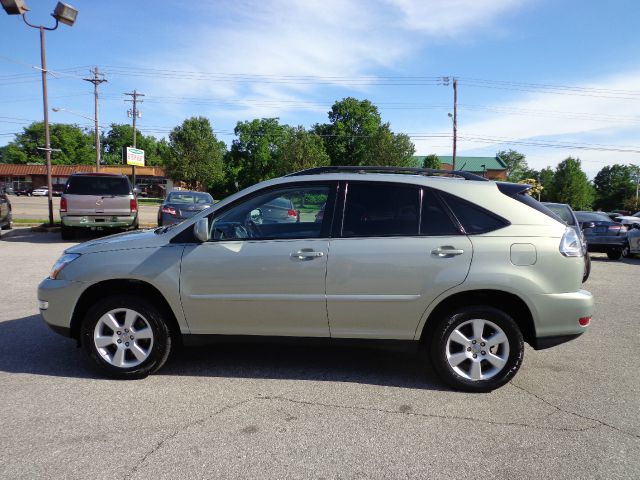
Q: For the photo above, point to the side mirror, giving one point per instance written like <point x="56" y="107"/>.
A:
<point x="256" y="216"/>
<point x="201" y="229"/>
<point x="588" y="225"/>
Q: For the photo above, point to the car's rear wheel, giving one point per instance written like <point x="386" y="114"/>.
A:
<point x="126" y="337"/>
<point x="626" y="251"/>
<point x="477" y="348"/>
<point x="67" y="233"/>
<point x="614" y="254"/>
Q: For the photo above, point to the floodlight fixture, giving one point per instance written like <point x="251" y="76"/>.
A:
<point x="14" y="7"/>
<point x="65" y="13"/>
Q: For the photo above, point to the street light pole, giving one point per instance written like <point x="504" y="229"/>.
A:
<point x="63" y="13"/>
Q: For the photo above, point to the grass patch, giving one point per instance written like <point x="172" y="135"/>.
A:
<point x="30" y="220"/>
<point x="150" y="201"/>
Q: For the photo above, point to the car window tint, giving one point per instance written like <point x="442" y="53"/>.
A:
<point x="96" y="185"/>
<point x="377" y="210"/>
<point x="562" y="211"/>
<point x="592" y="217"/>
<point x="278" y="214"/>
<point x="190" y="198"/>
<point x="435" y="220"/>
<point x="474" y="219"/>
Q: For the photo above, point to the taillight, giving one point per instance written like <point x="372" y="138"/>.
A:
<point x="584" y="321"/>
<point x="570" y="244"/>
<point x="169" y="210"/>
<point x="292" y="213"/>
<point x="133" y="205"/>
<point x="63" y="204"/>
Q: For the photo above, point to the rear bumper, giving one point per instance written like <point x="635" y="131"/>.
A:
<point x="106" y="221"/>
<point x="603" y="244"/>
<point x="557" y="317"/>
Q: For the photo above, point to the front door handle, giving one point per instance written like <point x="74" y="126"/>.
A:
<point x="306" y="254"/>
<point x="446" y="251"/>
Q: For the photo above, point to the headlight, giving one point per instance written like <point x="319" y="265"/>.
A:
<point x="570" y="245"/>
<point x="62" y="262"/>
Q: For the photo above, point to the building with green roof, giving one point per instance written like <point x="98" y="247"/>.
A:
<point x="490" y="167"/>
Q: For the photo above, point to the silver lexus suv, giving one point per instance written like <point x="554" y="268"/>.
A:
<point x="465" y="268"/>
<point x="97" y="201"/>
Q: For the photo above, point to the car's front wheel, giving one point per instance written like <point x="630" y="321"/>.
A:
<point x="477" y="348"/>
<point x="126" y="337"/>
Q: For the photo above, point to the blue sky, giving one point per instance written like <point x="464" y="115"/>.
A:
<point x="240" y="60"/>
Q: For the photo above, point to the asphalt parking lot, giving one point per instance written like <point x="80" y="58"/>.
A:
<point x="289" y="412"/>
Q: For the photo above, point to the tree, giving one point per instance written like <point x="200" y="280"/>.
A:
<point x="545" y="177"/>
<point x="385" y="148"/>
<point x="195" y="155"/>
<point x="613" y="185"/>
<point x="255" y="154"/>
<point x="120" y="136"/>
<point x="432" y="161"/>
<point x="516" y="164"/>
<point x="536" y="187"/>
<point x="76" y="145"/>
<point x="300" y="150"/>
<point x="571" y="185"/>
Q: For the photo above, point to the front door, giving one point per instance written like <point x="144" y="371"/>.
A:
<point x="262" y="274"/>
<point x="398" y="250"/>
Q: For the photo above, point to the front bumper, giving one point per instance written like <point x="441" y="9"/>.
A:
<point x="60" y="298"/>
<point x="106" y="221"/>
<point x="557" y="316"/>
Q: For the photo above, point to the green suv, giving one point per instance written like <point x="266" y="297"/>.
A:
<point x="466" y="269"/>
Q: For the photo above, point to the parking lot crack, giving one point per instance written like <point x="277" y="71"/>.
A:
<point x="428" y="415"/>
<point x="599" y="423"/>
<point x="181" y="429"/>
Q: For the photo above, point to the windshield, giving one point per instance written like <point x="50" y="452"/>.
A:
<point x="592" y="217"/>
<point x="97" y="185"/>
<point x="563" y="211"/>
<point x="189" y="197"/>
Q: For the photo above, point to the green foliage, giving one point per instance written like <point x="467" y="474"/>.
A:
<point x="516" y="163"/>
<point x="352" y="123"/>
<point x="76" y="145"/>
<point x="255" y="155"/>
<point x="536" y="186"/>
<point x="613" y="185"/>
<point x="300" y="150"/>
<point x="571" y="185"/>
<point x="386" y="148"/>
<point x="545" y="177"/>
<point x="120" y="136"/>
<point x="432" y="161"/>
<point x="194" y="155"/>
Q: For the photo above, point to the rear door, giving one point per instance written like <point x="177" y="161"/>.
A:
<point x="399" y="249"/>
<point x="98" y="195"/>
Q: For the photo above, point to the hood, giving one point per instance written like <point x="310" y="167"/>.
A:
<point x="122" y="241"/>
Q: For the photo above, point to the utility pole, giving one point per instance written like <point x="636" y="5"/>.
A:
<point x="455" y="120"/>
<point x="135" y="113"/>
<point x="97" y="79"/>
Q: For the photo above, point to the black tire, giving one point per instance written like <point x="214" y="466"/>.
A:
<point x="8" y="226"/>
<point x="587" y="267"/>
<point x="67" y="233"/>
<point x="159" y="349"/>
<point x="438" y="348"/>
<point x="626" y="251"/>
<point x="614" y="254"/>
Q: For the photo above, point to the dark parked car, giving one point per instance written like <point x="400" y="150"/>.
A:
<point x="568" y="216"/>
<point x="5" y="211"/>
<point x="26" y="191"/>
<point x="57" y="189"/>
<point x="182" y="204"/>
<point x="603" y="234"/>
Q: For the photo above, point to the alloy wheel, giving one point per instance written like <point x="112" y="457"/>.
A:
<point x="123" y="338"/>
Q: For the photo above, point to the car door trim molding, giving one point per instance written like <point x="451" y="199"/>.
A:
<point x="242" y="297"/>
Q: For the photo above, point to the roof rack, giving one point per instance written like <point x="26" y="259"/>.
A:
<point x="386" y="169"/>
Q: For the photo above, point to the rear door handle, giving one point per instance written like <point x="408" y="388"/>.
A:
<point x="446" y="251"/>
<point x="306" y="254"/>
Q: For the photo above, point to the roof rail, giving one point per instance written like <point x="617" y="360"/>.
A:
<point x="387" y="169"/>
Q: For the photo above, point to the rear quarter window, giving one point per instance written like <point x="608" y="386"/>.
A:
<point x="473" y="218"/>
<point x="95" y="185"/>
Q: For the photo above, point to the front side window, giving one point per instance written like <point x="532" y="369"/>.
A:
<point x="289" y="213"/>
<point x="380" y="210"/>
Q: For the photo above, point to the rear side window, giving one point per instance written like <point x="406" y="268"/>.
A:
<point x="435" y="220"/>
<point x="379" y="210"/>
<point x="474" y="219"/>
<point x="95" y="185"/>
<point x="563" y="211"/>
